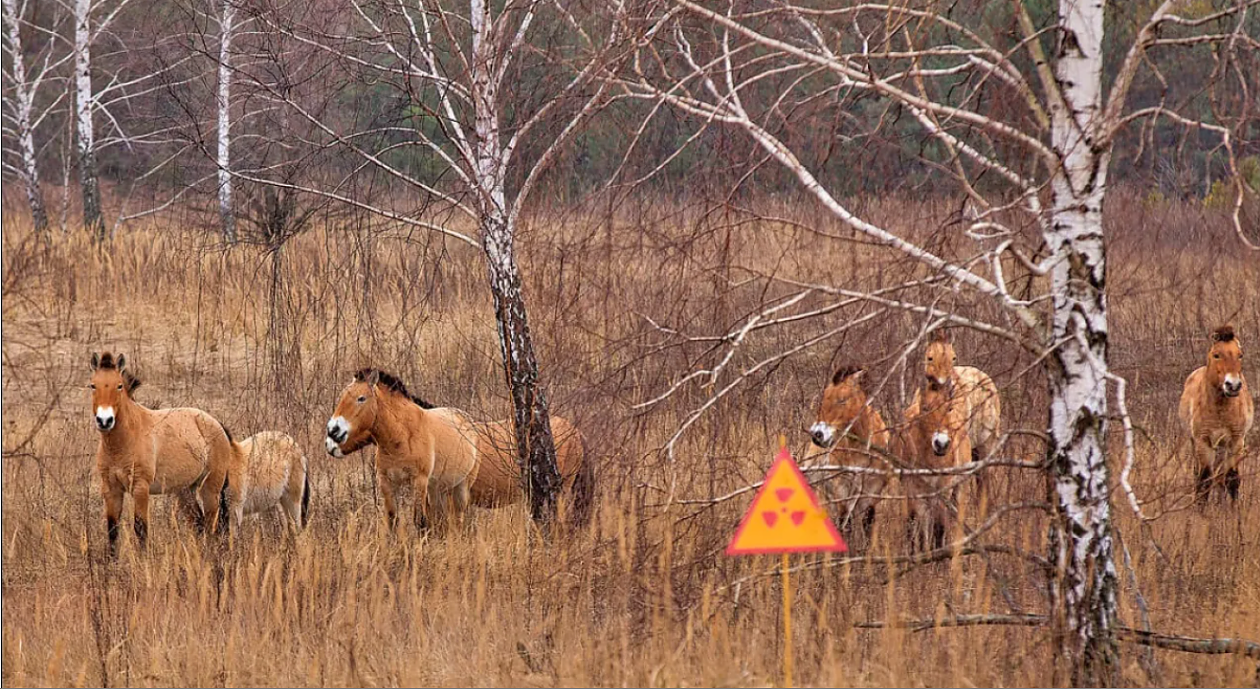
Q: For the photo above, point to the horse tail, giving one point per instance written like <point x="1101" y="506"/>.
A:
<point x="306" y="497"/>
<point x="225" y="510"/>
<point x="582" y="492"/>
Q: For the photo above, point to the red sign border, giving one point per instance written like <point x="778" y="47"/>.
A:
<point x="785" y="456"/>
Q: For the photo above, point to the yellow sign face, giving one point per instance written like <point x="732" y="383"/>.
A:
<point x="785" y="517"/>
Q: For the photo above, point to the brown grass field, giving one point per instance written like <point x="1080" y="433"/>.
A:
<point x="644" y="597"/>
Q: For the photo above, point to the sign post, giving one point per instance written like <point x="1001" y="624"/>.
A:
<point x="785" y="518"/>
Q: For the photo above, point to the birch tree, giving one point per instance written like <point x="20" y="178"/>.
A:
<point x="115" y="90"/>
<point x="223" y="103"/>
<point x="23" y="112"/>
<point x="474" y="110"/>
<point x="756" y="67"/>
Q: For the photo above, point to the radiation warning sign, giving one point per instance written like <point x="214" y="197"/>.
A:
<point x="785" y="517"/>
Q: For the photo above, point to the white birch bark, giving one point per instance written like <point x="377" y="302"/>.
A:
<point x="1084" y="596"/>
<point x="84" y="104"/>
<point x="24" y="97"/>
<point x="535" y="445"/>
<point x="223" y="101"/>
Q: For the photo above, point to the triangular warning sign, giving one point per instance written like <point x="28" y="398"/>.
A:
<point x="785" y="517"/>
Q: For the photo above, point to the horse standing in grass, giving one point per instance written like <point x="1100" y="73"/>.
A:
<point x="976" y="394"/>
<point x="1216" y="412"/>
<point x="448" y="460"/>
<point x="856" y="435"/>
<point x="146" y="451"/>
<point x="269" y="472"/>
<point x="935" y="437"/>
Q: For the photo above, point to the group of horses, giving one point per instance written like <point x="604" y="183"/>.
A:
<point x="448" y="461"/>
<point x="955" y="419"/>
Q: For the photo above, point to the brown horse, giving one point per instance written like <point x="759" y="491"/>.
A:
<point x="1216" y="412"/>
<point x="977" y="394"/>
<point x="440" y="453"/>
<point x="152" y="451"/>
<point x="935" y="437"/>
<point x="857" y="436"/>
<point x="269" y="473"/>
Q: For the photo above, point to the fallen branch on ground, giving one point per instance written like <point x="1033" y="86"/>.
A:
<point x="1174" y="642"/>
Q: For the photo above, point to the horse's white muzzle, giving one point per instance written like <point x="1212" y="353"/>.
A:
<point x="1232" y="385"/>
<point x="338" y="432"/>
<point x="333" y="448"/>
<point x="940" y="443"/>
<point x="822" y="434"/>
<point x="105" y="419"/>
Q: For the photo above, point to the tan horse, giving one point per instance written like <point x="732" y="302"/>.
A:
<point x="1216" y="412"/>
<point x="935" y="437"/>
<point x="499" y="482"/>
<point x="978" y="397"/>
<point x="269" y="473"/>
<point x="449" y="460"/>
<point x="153" y="451"/>
<point x="856" y="435"/>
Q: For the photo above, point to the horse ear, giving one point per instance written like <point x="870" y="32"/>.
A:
<point x="96" y="360"/>
<point x="122" y="362"/>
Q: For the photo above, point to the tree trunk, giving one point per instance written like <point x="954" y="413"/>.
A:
<point x="535" y="447"/>
<point x="227" y="217"/>
<point x="93" y="219"/>
<point x="25" y="105"/>
<point x="1083" y="594"/>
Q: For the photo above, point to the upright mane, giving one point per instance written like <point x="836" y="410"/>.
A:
<point x="391" y="382"/>
<point x="1225" y="333"/>
<point x="107" y="362"/>
<point x="844" y="372"/>
<point x="941" y="335"/>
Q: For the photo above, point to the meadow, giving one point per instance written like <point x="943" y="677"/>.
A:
<point x="620" y="305"/>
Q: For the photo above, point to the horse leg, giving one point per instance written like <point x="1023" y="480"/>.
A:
<point x="460" y="499"/>
<point x="1233" y="481"/>
<point x="292" y="506"/>
<point x="112" y="492"/>
<point x="210" y="494"/>
<point x="391" y="505"/>
<point x="187" y="502"/>
<point x="1203" y="456"/>
<point x="420" y="511"/>
<point x="140" y="496"/>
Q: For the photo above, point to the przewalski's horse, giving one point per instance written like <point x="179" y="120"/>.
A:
<point x="935" y="437"/>
<point x="146" y="451"/>
<point x="1216" y="412"/>
<point x="856" y="435"/>
<point x="443" y="455"/>
<point x="976" y="394"/>
<point x="269" y="472"/>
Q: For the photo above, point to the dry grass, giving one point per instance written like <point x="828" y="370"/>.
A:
<point x="644" y="597"/>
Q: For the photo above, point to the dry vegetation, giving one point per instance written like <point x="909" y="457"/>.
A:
<point x="643" y="598"/>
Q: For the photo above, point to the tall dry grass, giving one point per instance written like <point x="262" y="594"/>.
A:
<point x="643" y="597"/>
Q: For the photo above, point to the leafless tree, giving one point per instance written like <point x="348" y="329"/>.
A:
<point x="1034" y="178"/>
<point x="470" y="129"/>
<point x="223" y="102"/>
<point x="23" y="109"/>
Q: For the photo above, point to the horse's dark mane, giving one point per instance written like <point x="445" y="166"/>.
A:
<point x="941" y="335"/>
<point x="844" y="372"/>
<point x="391" y="382"/>
<point x="1225" y="333"/>
<point x="107" y="362"/>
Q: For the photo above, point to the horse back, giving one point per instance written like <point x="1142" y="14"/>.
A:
<point x="983" y="407"/>
<point x="269" y="463"/>
<point x="185" y="443"/>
